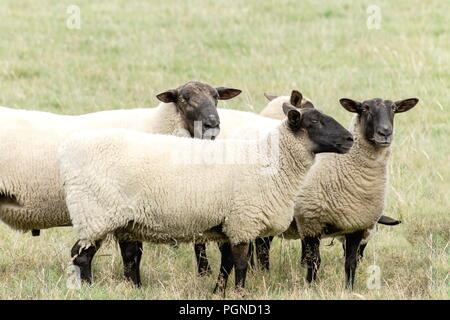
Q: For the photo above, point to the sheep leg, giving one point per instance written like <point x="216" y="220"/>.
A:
<point x="203" y="267"/>
<point x="131" y="256"/>
<point x="82" y="258"/>
<point x="311" y="257"/>
<point x="263" y="252"/>
<point x="303" y="258"/>
<point x="226" y="265"/>
<point x="352" y="242"/>
<point x="251" y="255"/>
<point x="239" y="255"/>
<point x="361" y="251"/>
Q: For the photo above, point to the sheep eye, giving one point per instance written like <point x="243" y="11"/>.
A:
<point x="314" y="121"/>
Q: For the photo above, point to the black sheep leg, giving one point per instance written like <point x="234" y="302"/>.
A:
<point x="303" y="258"/>
<point x="82" y="258"/>
<point x="239" y="253"/>
<point x="251" y="254"/>
<point x="203" y="267"/>
<point x="131" y="256"/>
<point x="352" y="241"/>
<point x="311" y="257"/>
<point x="263" y="252"/>
<point x="361" y="251"/>
<point x="226" y="265"/>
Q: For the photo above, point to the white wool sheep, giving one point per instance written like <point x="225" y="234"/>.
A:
<point x="158" y="188"/>
<point x="346" y="192"/>
<point x="345" y="195"/>
<point x="273" y="109"/>
<point x="173" y="194"/>
<point x="31" y="196"/>
<point x="292" y="232"/>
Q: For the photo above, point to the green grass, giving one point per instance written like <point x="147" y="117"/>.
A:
<point x="128" y="51"/>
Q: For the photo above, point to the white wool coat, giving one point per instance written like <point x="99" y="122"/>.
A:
<point x="29" y="172"/>
<point x="31" y="196"/>
<point x="344" y="193"/>
<point x="273" y="109"/>
<point x="142" y="187"/>
<point x="235" y="124"/>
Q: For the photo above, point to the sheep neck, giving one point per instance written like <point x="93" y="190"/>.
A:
<point x="365" y="154"/>
<point x="168" y="120"/>
<point x="368" y="164"/>
<point x="294" y="160"/>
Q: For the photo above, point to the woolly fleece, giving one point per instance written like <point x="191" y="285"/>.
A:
<point x="139" y="186"/>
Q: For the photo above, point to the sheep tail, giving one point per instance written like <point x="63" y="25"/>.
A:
<point x="388" y="221"/>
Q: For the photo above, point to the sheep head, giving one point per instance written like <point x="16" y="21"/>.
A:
<point x="376" y="117"/>
<point x="197" y="104"/>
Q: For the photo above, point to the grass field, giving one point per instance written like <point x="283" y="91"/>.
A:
<point x="127" y="51"/>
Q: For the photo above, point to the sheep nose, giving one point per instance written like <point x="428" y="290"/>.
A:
<point x="384" y="131"/>
<point x="212" y="121"/>
<point x="349" y="138"/>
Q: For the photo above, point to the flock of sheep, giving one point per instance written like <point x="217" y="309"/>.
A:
<point x="136" y="174"/>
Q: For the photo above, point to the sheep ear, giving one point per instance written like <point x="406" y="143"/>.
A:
<point x="405" y="105"/>
<point x="269" y="97"/>
<point x="168" y="96"/>
<point x="350" y="105"/>
<point x="388" y="221"/>
<point x="307" y="104"/>
<point x="227" y="93"/>
<point x="296" y="99"/>
<point x="294" y="116"/>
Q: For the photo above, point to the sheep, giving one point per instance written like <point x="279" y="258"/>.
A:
<point x="262" y="246"/>
<point x="31" y="196"/>
<point x="273" y="110"/>
<point x="345" y="195"/>
<point x="119" y="182"/>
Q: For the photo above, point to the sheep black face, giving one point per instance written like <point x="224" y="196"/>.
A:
<point x="377" y="117"/>
<point x="197" y="104"/>
<point x="327" y="134"/>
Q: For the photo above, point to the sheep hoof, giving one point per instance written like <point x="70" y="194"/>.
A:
<point x="220" y="287"/>
<point x="205" y="273"/>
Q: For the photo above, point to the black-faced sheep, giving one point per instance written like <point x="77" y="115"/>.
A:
<point x="164" y="189"/>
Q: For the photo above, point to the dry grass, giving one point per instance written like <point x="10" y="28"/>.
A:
<point x="127" y="51"/>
